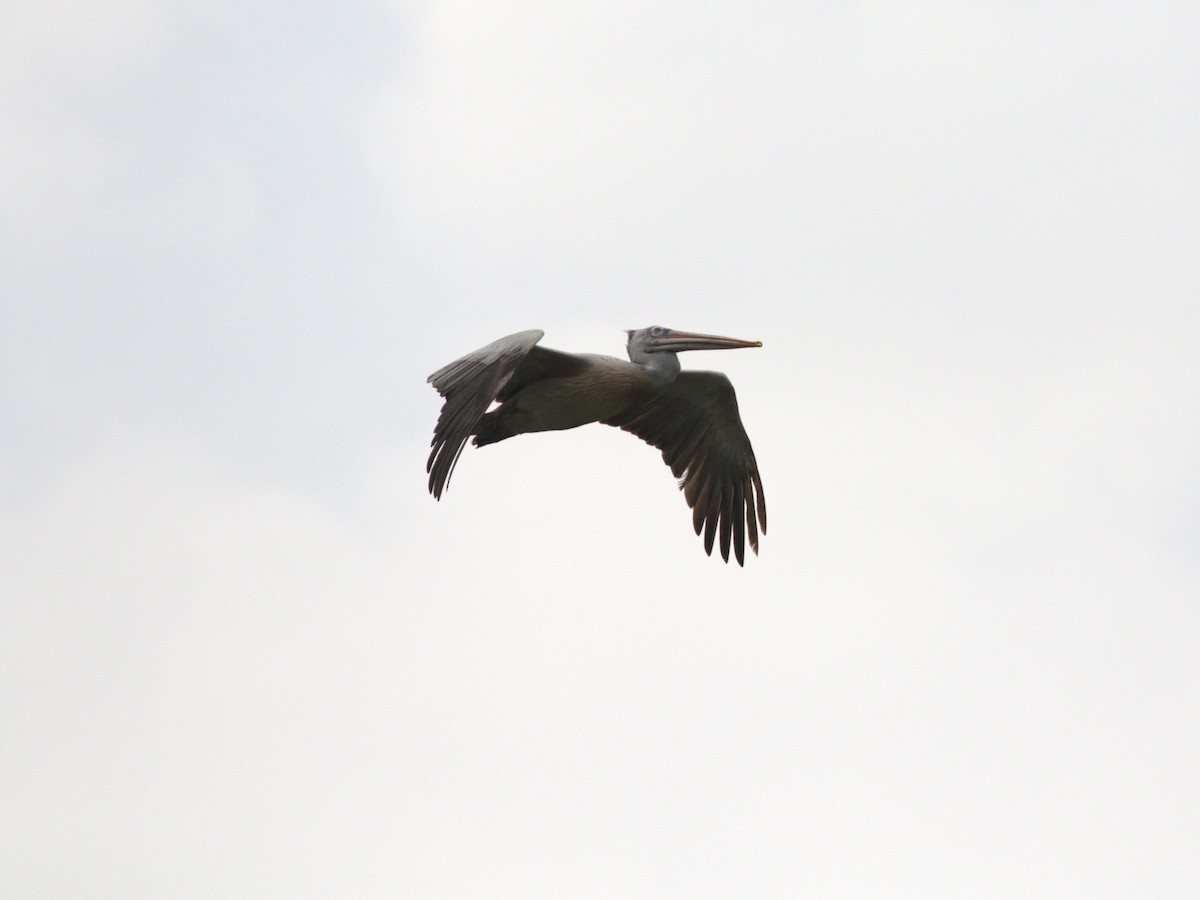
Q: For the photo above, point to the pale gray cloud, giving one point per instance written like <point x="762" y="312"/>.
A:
<point x="243" y="652"/>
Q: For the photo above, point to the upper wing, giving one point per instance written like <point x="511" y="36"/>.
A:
<point x="694" y="422"/>
<point x="471" y="383"/>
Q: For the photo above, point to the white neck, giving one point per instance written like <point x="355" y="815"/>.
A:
<point x="662" y="367"/>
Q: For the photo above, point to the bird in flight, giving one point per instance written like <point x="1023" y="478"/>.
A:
<point x="692" y="417"/>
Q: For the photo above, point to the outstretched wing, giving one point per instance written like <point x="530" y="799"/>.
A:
<point x="469" y="385"/>
<point x="694" y="421"/>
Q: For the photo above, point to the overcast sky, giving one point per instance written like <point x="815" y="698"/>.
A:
<point x="243" y="652"/>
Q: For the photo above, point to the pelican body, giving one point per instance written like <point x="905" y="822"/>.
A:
<point x="692" y="417"/>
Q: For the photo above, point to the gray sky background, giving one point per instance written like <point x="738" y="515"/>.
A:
<point x="242" y="651"/>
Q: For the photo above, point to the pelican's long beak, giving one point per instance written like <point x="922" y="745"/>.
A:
<point x="674" y="341"/>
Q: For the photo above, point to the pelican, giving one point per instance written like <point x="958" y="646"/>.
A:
<point x="692" y="417"/>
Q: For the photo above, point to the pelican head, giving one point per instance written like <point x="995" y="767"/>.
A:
<point x="655" y="347"/>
